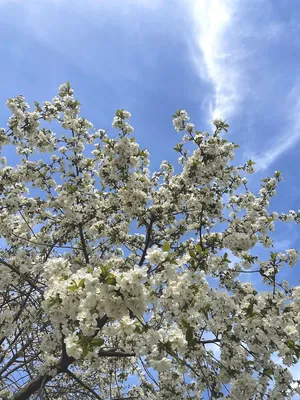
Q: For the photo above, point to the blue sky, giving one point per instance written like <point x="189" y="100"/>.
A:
<point x="230" y="59"/>
<point x="223" y="58"/>
<point x="238" y="60"/>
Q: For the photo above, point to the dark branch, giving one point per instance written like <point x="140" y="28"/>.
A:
<point x="84" y="385"/>
<point x="147" y="241"/>
<point x="35" y="384"/>
<point x="119" y="354"/>
<point x="23" y="276"/>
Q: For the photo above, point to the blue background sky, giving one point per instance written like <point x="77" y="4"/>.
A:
<point x="238" y="60"/>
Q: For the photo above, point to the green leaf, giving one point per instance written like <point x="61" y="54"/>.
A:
<point x="198" y="248"/>
<point x="177" y="113"/>
<point x="85" y="348"/>
<point x="105" y="270"/>
<point x="81" y="283"/>
<point x="225" y="258"/>
<point x="72" y="188"/>
<point x="290" y="344"/>
<point x="72" y="287"/>
<point x="139" y="329"/>
<point x="268" y="372"/>
<point x="189" y="335"/>
<point x="178" y="147"/>
<point x="192" y="254"/>
<point x="111" y="280"/>
<point x="55" y="300"/>
<point x="166" y="247"/>
<point x="172" y="258"/>
<point x="273" y="256"/>
<point x="37" y="106"/>
<point x="119" y="113"/>
<point x="185" y="324"/>
<point x="98" y="342"/>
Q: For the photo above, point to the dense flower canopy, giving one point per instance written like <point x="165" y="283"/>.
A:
<point x="119" y="284"/>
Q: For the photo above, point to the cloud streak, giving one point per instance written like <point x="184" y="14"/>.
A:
<point x="234" y="49"/>
<point x="289" y="135"/>
<point x="217" y="60"/>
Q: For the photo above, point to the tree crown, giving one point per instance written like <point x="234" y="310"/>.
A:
<point x="118" y="283"/>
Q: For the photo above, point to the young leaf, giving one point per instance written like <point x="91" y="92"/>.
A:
<point x="166" y="247"/>
<point x="189" y="335"/>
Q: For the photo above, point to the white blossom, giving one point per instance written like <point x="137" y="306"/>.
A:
<point x="110" y="271"/>
<point x="156" y="255"/>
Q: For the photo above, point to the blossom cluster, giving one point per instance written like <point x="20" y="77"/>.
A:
<point x="109" y="271"/>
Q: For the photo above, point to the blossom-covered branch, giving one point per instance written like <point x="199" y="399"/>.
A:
<point x="111" y="272"/>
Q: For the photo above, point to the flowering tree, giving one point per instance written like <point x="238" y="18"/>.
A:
<point x="118" y="284"/>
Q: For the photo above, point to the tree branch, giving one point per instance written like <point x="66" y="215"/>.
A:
<point x="119" y="354"/>
<point x="21" y="275"/>
<point x="84" y="385"/>
<point x="83" y="243"/>
<point x="147" y="241"/>
<point x="65" y="361"/>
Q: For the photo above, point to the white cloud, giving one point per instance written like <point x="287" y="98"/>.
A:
<point x="217" y="60"/>
<point x="290" y="131"/>
<point x="230" y="42"/>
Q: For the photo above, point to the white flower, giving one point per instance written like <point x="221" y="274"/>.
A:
<point x="155" y="255"/>
<point x="117" y="122"/>
<point x="72" y="346"/>
<point x="126" y="114"/>
<point x="217" y="122"/>
<point x="74" y="229"/>
<point x="178" y="121"/>
<point x="127" y="325"/>
<point x="162" y="365"/>
<point x="293" y="257"/>
<point x="189" y="127"/>
<point x="291" y="330"/>
<point x="239" y="241"/>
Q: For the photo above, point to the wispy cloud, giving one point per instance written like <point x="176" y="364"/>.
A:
<point x="217" y="60"/>
<point x="289" y="134"/>
<point x="232" y="49"/>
